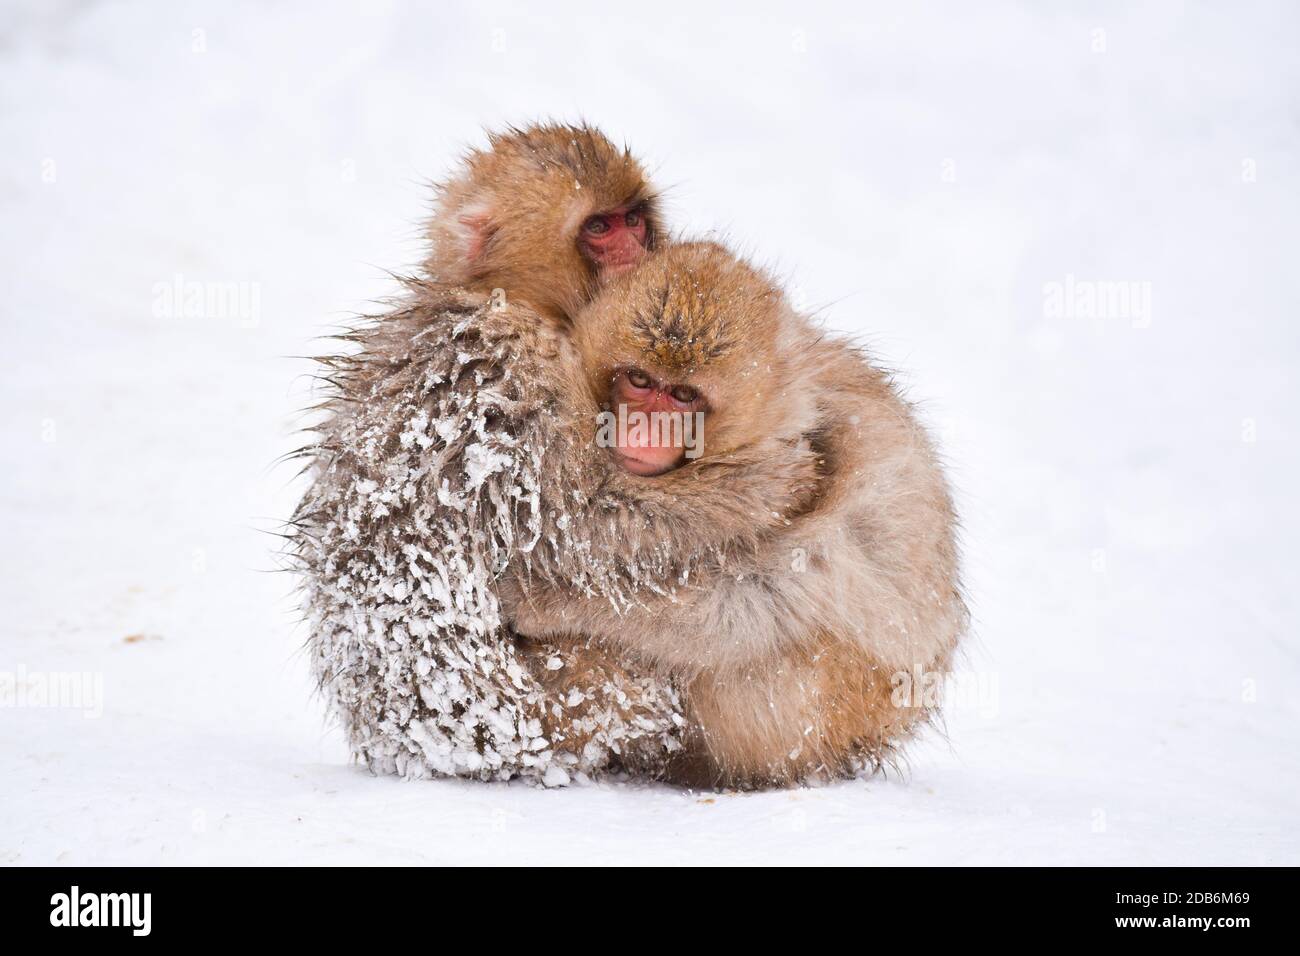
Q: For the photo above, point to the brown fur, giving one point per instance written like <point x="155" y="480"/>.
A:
<point x="510" y="218"/>
<point x="784" y="577"/>
<point x="825" y="526"/>
<point x="507" y="220"/>
<point x="696" y="314"/>
<point x="393" y="505"/>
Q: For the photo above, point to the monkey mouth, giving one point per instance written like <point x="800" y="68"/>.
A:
<point x="616" y="267"/>
<point x="638" y="466"/>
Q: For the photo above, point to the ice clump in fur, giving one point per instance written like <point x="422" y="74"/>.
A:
<point x="424" y="485"/>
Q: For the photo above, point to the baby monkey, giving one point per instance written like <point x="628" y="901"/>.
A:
<point x="797" y="529"/>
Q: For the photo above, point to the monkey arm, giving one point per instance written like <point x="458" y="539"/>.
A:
<point x="593" y="702"/>
<point x="789" y="648"/>
<point x="863" y="549"/>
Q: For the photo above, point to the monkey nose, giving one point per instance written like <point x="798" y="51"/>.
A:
<point x="659" y="403"/>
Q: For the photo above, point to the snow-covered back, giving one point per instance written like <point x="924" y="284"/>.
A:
<point x="1073" y="232"/>
<point x="425" y="472"/>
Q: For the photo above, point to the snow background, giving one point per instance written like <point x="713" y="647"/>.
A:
<point x="1126" y="485"/>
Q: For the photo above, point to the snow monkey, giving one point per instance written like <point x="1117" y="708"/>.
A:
<point x="786" y="569"/>
<point x="423" y="480"/>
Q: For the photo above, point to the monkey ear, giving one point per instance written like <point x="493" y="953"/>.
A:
<point x="476" y="229"/>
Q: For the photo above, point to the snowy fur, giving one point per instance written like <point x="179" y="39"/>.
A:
<point x="816" y="542"/>
<point x="784" y="581"/>
<point x="741" y="621"/>
<point x="426" y="484"/>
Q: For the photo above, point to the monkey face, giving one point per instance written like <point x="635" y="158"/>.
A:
<point x="615" y="241"/>
<point x="658" y="425"/>
<point x="550" y="214"/>
<point x="681" y="354"/>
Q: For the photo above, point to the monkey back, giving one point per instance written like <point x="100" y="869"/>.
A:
<point x="424" y="484"/>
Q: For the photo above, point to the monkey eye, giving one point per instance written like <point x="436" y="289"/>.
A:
<point x="638" y="379"/>
<point x="632" y="219"/>
<point x="596" y="225"/>
<point x="684" y="394"/>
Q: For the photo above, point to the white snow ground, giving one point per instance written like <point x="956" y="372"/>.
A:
<point x="1127" y="481"/>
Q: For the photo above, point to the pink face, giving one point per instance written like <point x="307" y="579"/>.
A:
<point x="640" y="451"/>
<point x="614" y="241"/>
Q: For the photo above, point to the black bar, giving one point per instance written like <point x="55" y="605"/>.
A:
<point x="308" y="905"/>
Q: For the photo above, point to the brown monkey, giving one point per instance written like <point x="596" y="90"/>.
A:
<point x="420" y="478"/>
<point x="787" y="571"/>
